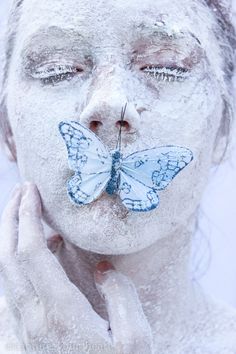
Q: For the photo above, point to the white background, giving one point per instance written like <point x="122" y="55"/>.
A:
<point x="214" y="251"/>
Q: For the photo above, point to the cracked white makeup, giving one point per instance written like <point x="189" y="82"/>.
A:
<point x="80" y="60"/>
<point x="76" y="70"/>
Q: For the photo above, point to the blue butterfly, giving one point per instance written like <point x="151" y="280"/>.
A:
<point x="136" y="178"/>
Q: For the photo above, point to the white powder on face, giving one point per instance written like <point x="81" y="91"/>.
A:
<point x="182" y="113"/>
<point x="160" y="112"/>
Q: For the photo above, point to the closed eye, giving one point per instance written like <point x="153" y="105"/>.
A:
<point x="55" y="74"/>
<point x="166" y="73"/>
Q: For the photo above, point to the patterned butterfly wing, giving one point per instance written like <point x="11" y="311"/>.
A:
<point x="90" y="160"/>
<point x="156" y="168"/>
<point x="84" y="189"/>
<point x="86" y="152"/>
<point x="135" y="195"/>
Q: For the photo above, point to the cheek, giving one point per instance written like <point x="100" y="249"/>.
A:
<point x="41" y="153"/>
<point x="35" y="113"/>
<point x="185" y="114"/>
<point x="188" y="118"/>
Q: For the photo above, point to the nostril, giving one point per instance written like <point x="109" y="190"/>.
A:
<point x="123" y="124"/>
<point x="94" y="125"/>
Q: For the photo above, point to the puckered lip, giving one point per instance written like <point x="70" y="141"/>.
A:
<point x="111" y="203"/>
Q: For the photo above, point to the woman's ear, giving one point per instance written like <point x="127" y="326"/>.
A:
<point x="219" y="152"/>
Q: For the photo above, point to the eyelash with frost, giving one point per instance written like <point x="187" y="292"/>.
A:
<point x="58" y="73"/>
<point x="55" y="74"/>
<point x="45" y="72"/>
<point x="167" y="73"/>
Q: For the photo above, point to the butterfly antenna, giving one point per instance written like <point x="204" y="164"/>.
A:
<point x="118" y="146"/>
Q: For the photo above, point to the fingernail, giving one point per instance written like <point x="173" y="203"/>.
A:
<point x="31" y="199"/>
<point x="26" y="186"/>
<point x="102" y="269"/>
<point x="15" y="190"/>
<point x="104" y="266"/>
<point x="24" y="190"/>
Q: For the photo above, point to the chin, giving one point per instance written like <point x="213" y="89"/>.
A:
<point x="105" y="226"/>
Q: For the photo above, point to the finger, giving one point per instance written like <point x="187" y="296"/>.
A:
<point x="30" y="225"/>
<point x="9" y="227"/>
<point x="18" y="286"/>
<point x="8" y="242"/>
<point x="31" y="320"/>
<point x="18" y="289"/>
<point x="41" y="266"/>
<point x="39" y="263"/>
<point x="130" y="329"/>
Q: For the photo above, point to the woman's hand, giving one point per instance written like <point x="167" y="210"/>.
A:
<point x="51" y="314"/>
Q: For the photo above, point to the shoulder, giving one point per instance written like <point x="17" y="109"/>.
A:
<point x="223" y="322"/>
<point x="8" y="340"/>
<point x="215" y="333"/>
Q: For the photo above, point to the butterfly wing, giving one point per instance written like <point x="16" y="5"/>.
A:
<point x="85" y="188"/>
<point x="135" y="195"/>
<point x="86" y="152"/>
<point x="156" y="167"/>
<point x="90" y="160"/>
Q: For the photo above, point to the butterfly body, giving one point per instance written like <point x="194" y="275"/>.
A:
<point x="136" y="178"/>
<point x="113" y="183"/>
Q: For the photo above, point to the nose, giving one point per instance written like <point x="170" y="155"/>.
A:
<point x="103" y="115"/>
<point x="94" y="125"/>
<point x="123" y="124"/>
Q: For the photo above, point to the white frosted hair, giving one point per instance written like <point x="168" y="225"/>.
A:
<point x="224" y="32"/>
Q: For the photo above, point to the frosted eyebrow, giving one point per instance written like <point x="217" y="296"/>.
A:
<point x="161" y="30"/>
<point x="53" y="43"/>
<point x="51" y="36"/>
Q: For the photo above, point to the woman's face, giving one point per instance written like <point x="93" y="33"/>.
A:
<point x="83" y="60"/>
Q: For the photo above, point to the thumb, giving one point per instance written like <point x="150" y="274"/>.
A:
<point x="130" y="329"/>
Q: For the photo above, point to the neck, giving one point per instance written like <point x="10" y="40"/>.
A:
<point x="160" y="274"/>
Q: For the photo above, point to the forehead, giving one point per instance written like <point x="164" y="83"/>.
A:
<point x="111" y="18"/>
<point x="108" y="23"/>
